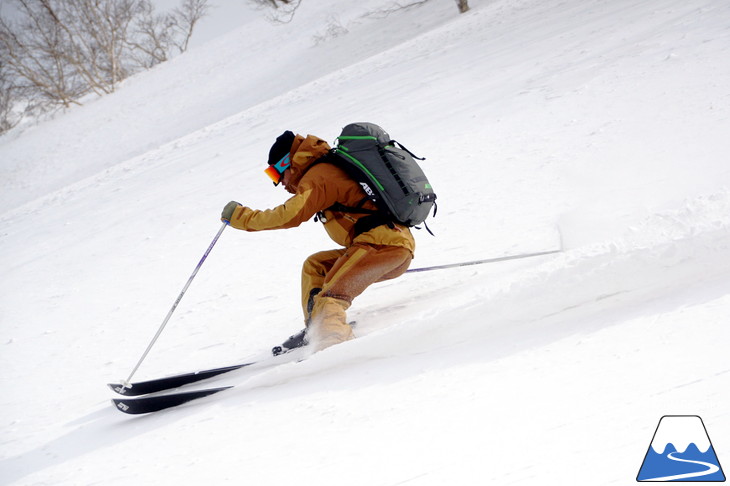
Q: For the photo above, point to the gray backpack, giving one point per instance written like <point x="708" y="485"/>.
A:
<point x="387" y="172"/>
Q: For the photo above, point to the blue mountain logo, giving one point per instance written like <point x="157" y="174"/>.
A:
<point x="681" y="451"/>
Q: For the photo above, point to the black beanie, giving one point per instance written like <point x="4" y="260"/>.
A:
<point x="281" y="147"/>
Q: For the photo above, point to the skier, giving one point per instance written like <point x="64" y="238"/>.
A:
<point x="374" y="249"/>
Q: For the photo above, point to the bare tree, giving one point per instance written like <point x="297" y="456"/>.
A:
<point x="96" y="33"/>
<point x="33" y="51"/>
<point x="463" y="5"/>
<point x="185" y="17"/>
<point x="275" y="3"/>
<point x="153" y="41"/>
<point x="279" y="10"/>
<point x="159" y="36"/>
<point x="59" y="50"/>
<point x="8" y="99"/>
<point x="290" y="6"/>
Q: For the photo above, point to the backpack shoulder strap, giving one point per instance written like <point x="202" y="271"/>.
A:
<point x="372" y="217"/>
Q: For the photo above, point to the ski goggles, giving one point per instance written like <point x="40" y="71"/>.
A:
<point x="275" y="171"/>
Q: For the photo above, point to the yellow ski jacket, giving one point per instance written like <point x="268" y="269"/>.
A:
<point x="316" y="188"/>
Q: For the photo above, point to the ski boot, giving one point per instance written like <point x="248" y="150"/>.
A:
<point x="296" y="341"/>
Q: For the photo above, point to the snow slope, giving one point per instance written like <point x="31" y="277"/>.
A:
<point x="599" y="126"/>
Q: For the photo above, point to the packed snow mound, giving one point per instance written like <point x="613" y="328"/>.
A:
<point x="666" y="253"/>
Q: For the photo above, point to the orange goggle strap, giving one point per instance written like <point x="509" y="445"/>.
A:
<point x="276" y="170"/>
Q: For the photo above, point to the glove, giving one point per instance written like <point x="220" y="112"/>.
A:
<point x="228" y="210"/>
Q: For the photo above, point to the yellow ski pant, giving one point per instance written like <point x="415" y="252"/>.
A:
<point x="332" y="279"/>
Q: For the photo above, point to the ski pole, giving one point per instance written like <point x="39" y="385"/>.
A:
<point x="479" y="262"/>
<point x="126" y="383"/>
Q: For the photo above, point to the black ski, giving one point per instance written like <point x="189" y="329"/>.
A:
<point x="170" y="382"/>
<point x="156" y="403"/>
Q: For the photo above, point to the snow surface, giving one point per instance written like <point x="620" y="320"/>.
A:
<point x="597" y="125"/>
